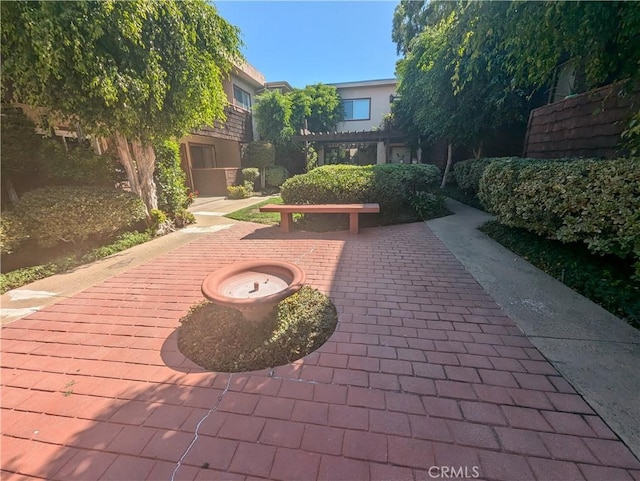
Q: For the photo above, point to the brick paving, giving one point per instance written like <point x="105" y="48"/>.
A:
<point x="423" y="370"/>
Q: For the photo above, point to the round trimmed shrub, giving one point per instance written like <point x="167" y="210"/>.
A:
<point x="276" y="175"/>
<point x="250" y="174"/>
<point x="390" y="185"/>
<point x="73" y="214"/>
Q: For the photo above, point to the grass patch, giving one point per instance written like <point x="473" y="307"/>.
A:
<point x="26" y="275"/>
<point x="330" y="222"/>
<point x="253" y="214"/>
<point x="606" y="280"/>
<point x="220" y="339"/>
<point x="460" y="195"/>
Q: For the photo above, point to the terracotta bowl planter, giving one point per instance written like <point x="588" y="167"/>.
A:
<point x="254" y="288"/>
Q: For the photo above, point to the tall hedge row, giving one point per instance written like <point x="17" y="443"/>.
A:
<point x="593" y="201"/>
<point x="389" y="185"/>
<point x="469" y="172"/>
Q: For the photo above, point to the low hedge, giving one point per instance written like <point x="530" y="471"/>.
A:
<point x="73" y="214"/>
<point x="390" y="185"/>
<point x="12" y="232"/>
<point x="469" y="172"/>
<point x="593" y="201"/>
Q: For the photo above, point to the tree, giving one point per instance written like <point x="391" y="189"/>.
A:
<point x="410" y="17"/>
<point x="259" y="154"/>
<point x="603" y="38"/>
<point x="273" y="112"/>
<point x="280" y="116"/>
<point x="319" y="104"/>
<point x="435" y="104"/>
<point x="139" y="71"/>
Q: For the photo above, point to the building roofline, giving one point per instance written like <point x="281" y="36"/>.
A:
<point x="365" y="83"/>
<point x="279" y="84"/>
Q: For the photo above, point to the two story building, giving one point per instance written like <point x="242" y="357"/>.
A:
<point x="211" y="155"/>
<point x="364" y="137"/>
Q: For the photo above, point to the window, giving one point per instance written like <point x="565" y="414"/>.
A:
<point x="241" y="98"/>
<point x="202" y="156"/>
<point x="357" y="109"/>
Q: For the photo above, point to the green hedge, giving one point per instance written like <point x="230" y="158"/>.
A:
<point x="469" y="172"/>
<point x="593" y="201"/>
<point x="276" y="175"/>
<point x="73" y="214"/>
<point x="390" y="185"/>
<point x="12" y="232"/>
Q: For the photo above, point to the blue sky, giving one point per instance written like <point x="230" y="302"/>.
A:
<point x="309" y="42"/>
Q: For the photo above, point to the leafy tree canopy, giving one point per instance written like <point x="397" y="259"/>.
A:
<point x="280" y="116"/>
<point x="273" y="111"/>
<point x="469" y="65"/>
<point x="412" y="16"/>
<point x="603" y="38"/>
<point x="434" y="104"/>
<point x="140" y="71"/>
<point x="146" y="68"/>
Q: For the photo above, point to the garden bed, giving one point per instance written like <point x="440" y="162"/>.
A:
<point x="606" y="280"/>
<point x="220" y="339"/>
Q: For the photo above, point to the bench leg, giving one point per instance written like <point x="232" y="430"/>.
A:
<point x="353" y="222"/>
<point x="286" y="220"/>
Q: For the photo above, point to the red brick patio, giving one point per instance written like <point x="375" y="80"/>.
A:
<point x="424" y="370"/>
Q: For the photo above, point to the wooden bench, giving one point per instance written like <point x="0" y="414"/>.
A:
<point x="352" y="209"/>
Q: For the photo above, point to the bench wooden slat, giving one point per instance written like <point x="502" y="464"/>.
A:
<point x="352" y="209"/>
<point x="322" y="208"/>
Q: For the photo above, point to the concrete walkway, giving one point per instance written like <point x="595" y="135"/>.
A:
<point x="597" y="353"/>
<point x="425" y="373"/>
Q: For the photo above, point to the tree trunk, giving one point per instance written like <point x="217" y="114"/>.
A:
<point x="139" y="163"/>
<point x="448" y="166"/>
<point x="11" y="192"/>
<point x="145" y="158"/>
<point x="478" y="153"/>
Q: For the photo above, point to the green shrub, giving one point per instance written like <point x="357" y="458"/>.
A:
<point x="305" y="320"/>
<point x="73" y="214"/>
<point x="469" y="172"/>
<point x="428" y="205"/>
<point x="593" y="201"/>
<point x="605" y="280"/>
<point x="240" y="191"/>
<point x="389" y="185"/>
<point x="250" y="174"/>
<point x="80" y="165"/>
<point x="259" y="154"/>
<point x="30" y="160"/>
<point x="276" y="175"/>
<point x="160" y="224"/>
<point x="183" y="218"/>
<point x="173" y="194"/>
<point x="312" y="160"/>
<point x="12" y="233"/>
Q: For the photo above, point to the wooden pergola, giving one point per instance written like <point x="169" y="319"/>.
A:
<point x="383" y="138"/>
